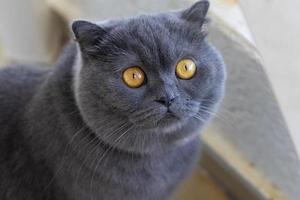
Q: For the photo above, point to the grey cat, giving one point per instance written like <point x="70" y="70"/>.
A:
<point x="118" y="116"/>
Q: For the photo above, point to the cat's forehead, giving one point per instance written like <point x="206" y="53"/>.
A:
<point x="155" y="39"/>
<point x="147" y="26"/>
<point x="163" y="26"/>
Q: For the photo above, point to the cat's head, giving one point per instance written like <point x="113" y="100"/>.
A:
<point x="147" y="82"/>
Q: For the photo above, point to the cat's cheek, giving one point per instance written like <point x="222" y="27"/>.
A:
<point x="190" y="89"/>
<point x="132" y="98"/>
<point x="199" y="86"/>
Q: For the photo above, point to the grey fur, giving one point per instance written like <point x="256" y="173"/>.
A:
<point x="76" y="131"/>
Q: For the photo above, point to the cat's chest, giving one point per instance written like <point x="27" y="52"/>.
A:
<point x="157" y="168"/>
<point x="143" y="178"/>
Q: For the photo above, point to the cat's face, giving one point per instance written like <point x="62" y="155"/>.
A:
<point x="150" y="79"/>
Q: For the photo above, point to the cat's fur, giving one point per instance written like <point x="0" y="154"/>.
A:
<point x="77" y="132"/>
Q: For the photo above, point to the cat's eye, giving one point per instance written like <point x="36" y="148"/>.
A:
<point x="134" y="77"/>
<point x="186" y="69"/>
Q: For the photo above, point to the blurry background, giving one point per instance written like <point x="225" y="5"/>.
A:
<point x="252" y="147"/>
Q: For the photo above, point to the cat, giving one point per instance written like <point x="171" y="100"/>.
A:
<point x="117" y="117"/>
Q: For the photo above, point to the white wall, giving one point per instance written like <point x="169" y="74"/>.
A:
<point x="262" y="117"/>
<point x="25" y="31"/>
<point x="276" y="27"/>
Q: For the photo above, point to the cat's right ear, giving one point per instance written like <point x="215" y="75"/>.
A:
<point x="197" y="12"/>
<point x="87" y="34"/>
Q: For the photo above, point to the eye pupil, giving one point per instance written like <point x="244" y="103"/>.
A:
<point x="186" y="67"/>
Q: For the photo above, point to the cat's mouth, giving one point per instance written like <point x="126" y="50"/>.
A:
<point x="167" y="122"/>
<point x="160" y="118"/>
<point x="169" y="116"/>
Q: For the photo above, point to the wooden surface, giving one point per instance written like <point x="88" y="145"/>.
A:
<point x="200" y="186"/>
<point x="239" y="176"/>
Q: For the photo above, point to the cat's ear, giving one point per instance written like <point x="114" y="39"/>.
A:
<point x="87" y="34"/>
<point x="197" y="12"/>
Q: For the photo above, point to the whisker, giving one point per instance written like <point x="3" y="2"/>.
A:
<point x="138" y="113"/>
<point x="220" y="117"/>
<point x="199" y="118"/>
<point x="64" y="156"/>
<point x="104" y="154"/>
<point x="119" y="127"/>
<point x="87" y="156"/>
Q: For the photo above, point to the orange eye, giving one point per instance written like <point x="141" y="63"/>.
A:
<point x="134" y="77"/>
<point x="186" y="69"/>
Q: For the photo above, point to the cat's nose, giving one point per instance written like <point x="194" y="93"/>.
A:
<point x="165" y="101"/>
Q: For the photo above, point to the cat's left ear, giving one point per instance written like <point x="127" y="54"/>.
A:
<point x="197" y="12"/>
<point x="87" y="34"/>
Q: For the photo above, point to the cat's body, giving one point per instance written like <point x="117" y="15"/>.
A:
<point x="65" y="137"/>
<point x="31" y="154"/>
